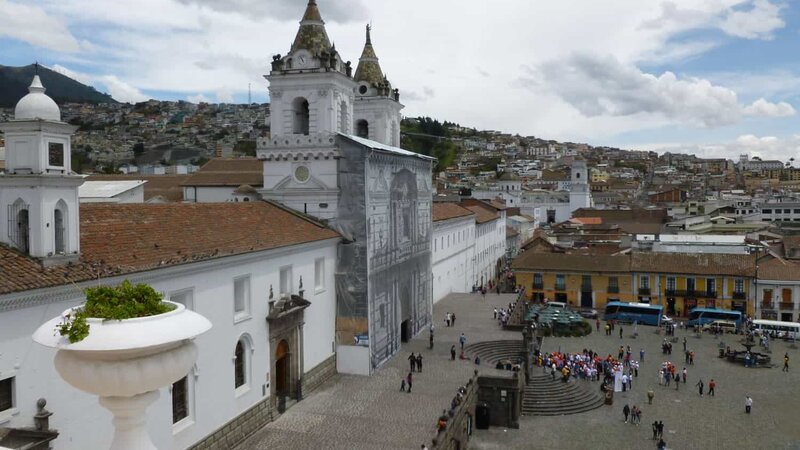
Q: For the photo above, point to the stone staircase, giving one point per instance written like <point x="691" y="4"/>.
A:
<point x="545" y="397"/>
<point x="493" y="351"/>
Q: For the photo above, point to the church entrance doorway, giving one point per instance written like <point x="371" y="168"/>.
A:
<point x="405" y="331"/>
<point x="282" y="369"/>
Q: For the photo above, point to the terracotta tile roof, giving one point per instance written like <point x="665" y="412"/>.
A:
<point x="510" y="232"/>
<point x="498" y="205"/>
<point x="779" y="270"/>
<point x="483" y="213"/>
<point x="229" y="172"/>
<point x="447" y="210"/>
<point x="166" y="186"/>
<point x="694" y="263"/>
<point x="587" y="220"/>
<point x="126" y="238"/>
<point x="531" y="260"/>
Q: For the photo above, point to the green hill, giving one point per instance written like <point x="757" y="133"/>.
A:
<point x="14" y="82"/>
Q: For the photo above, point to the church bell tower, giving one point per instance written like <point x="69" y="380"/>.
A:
<point x="377" y="106"/>
<point x="39" y="191"/>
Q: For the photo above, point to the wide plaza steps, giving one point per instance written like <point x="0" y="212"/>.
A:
<point x="493" y="351"/>
<point x="547" y="397"/>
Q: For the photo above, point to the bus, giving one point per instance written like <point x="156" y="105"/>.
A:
<point x="643" y="313"/>
<point x="784" y="330"/>
<point x="702" y="316"/>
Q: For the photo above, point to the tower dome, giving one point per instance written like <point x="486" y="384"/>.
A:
<point x="37" y="105"/>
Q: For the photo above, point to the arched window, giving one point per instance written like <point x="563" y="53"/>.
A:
<point x="301" y="115"/>
<point x="19" y="228"/>
<point x="240" y="365"/>
<point x="60" y="227"/>
<point x="343" y="117"/>
<point x="362" y="129"/>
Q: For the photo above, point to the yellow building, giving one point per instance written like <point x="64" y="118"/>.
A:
<point x="677" y="281"/>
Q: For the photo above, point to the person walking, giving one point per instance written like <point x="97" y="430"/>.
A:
<point x="625" y="411"/>
<point x="597" y="324"/>
<point x="660" y="428"/>
<point x="655" y="430"/>
<point x="495" y="313"/>
<point x="412" y="361"/>
<point x="419" y="362"/>
<point x="684" y="343"/>
<point x="700" y="387"/>
<point x="683" y="374"/>
<point x="785" y="363"/>
<point x="452" y="319"/>
<point x="641" y="354"/>
<point x="430" y="339"/>
<point x="409" y="382"/>
<point x="462" y="339"/>
<point x="402" y="384"/>
<point x="620" y="332"/>
<point x="748" y="403"/>
<point x="453" y="353"/>
<point x="447" y="319"/>
<point x="711" y="385"/>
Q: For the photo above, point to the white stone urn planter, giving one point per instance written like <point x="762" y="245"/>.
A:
<point x="125" y="362"/>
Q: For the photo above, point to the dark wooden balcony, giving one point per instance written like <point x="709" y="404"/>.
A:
<point x="644" y="291"/>
<point x="739" y="296"/>
<point x="786" y="306"/>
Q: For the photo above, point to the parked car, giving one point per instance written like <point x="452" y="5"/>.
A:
<point x="726" y="326"/>
<point x="588" y="313"/>
<point x="666" y="320"/>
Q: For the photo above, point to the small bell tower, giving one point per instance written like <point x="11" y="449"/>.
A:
<point x="377" y="107"/>
<point x="39" y="192"/>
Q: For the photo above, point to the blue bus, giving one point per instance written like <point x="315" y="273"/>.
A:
<point x="702" y="316"/>
<point x="643" y="313"/>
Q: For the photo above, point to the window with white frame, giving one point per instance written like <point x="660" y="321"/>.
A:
<point x="319" y="274"/>
<point x="241" y="297"/>
<point x="241" y="366"/>
<point x="6" y="395"/>
<point x="181" y="403"/>
<point x="738" y="285"/>
<point x="644" y="281"/>
<point x="286" y="281"/>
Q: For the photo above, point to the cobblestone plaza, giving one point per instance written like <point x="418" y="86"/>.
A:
<point x="351" y="412"/>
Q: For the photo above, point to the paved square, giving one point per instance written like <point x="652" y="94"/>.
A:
<point x="353" y="412"/>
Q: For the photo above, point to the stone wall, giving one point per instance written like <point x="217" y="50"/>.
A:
<point x="502" y="393"/>
<point x="239" y="428"/>
<point x="262" y="413"/>
<point x="461" y="421"/>
<point x="318" y="375"/>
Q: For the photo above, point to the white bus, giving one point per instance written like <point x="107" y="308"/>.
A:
<point x="785" y="330"/>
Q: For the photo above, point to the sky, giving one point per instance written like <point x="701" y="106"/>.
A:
<point x="716" y="78"/>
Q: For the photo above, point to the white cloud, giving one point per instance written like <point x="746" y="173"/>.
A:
<point x="197" y="98"/>
<point x="77" y="76"/>
<point x="122" y="91"/>
<point x="764" y="108"/>
<point x="748" y="19"/>
<point x="605" y="87"/>
<point x="760" y="21"/>
<point x="339" y="11"/>
<point x="31" y="24"/>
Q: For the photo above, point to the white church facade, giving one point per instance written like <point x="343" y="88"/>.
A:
<point x="333" y="154"/>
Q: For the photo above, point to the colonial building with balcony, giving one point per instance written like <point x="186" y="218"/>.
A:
<point x="778" y="290"/>
<point x="678" y="281"/>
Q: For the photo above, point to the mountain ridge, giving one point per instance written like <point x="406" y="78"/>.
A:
<point x="14" y="82"/>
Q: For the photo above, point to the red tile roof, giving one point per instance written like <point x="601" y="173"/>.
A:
<point x="779" y="270"/>
<point x="447" y="210"/>
<point x="126" y="238"/>
<point x="229" y="172"/>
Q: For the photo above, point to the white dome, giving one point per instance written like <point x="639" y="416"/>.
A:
<point x="37" y="105"/>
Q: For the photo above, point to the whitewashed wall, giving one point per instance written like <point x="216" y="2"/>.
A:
<point x="453" y="263"/>
<point x="83" y="424"/>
